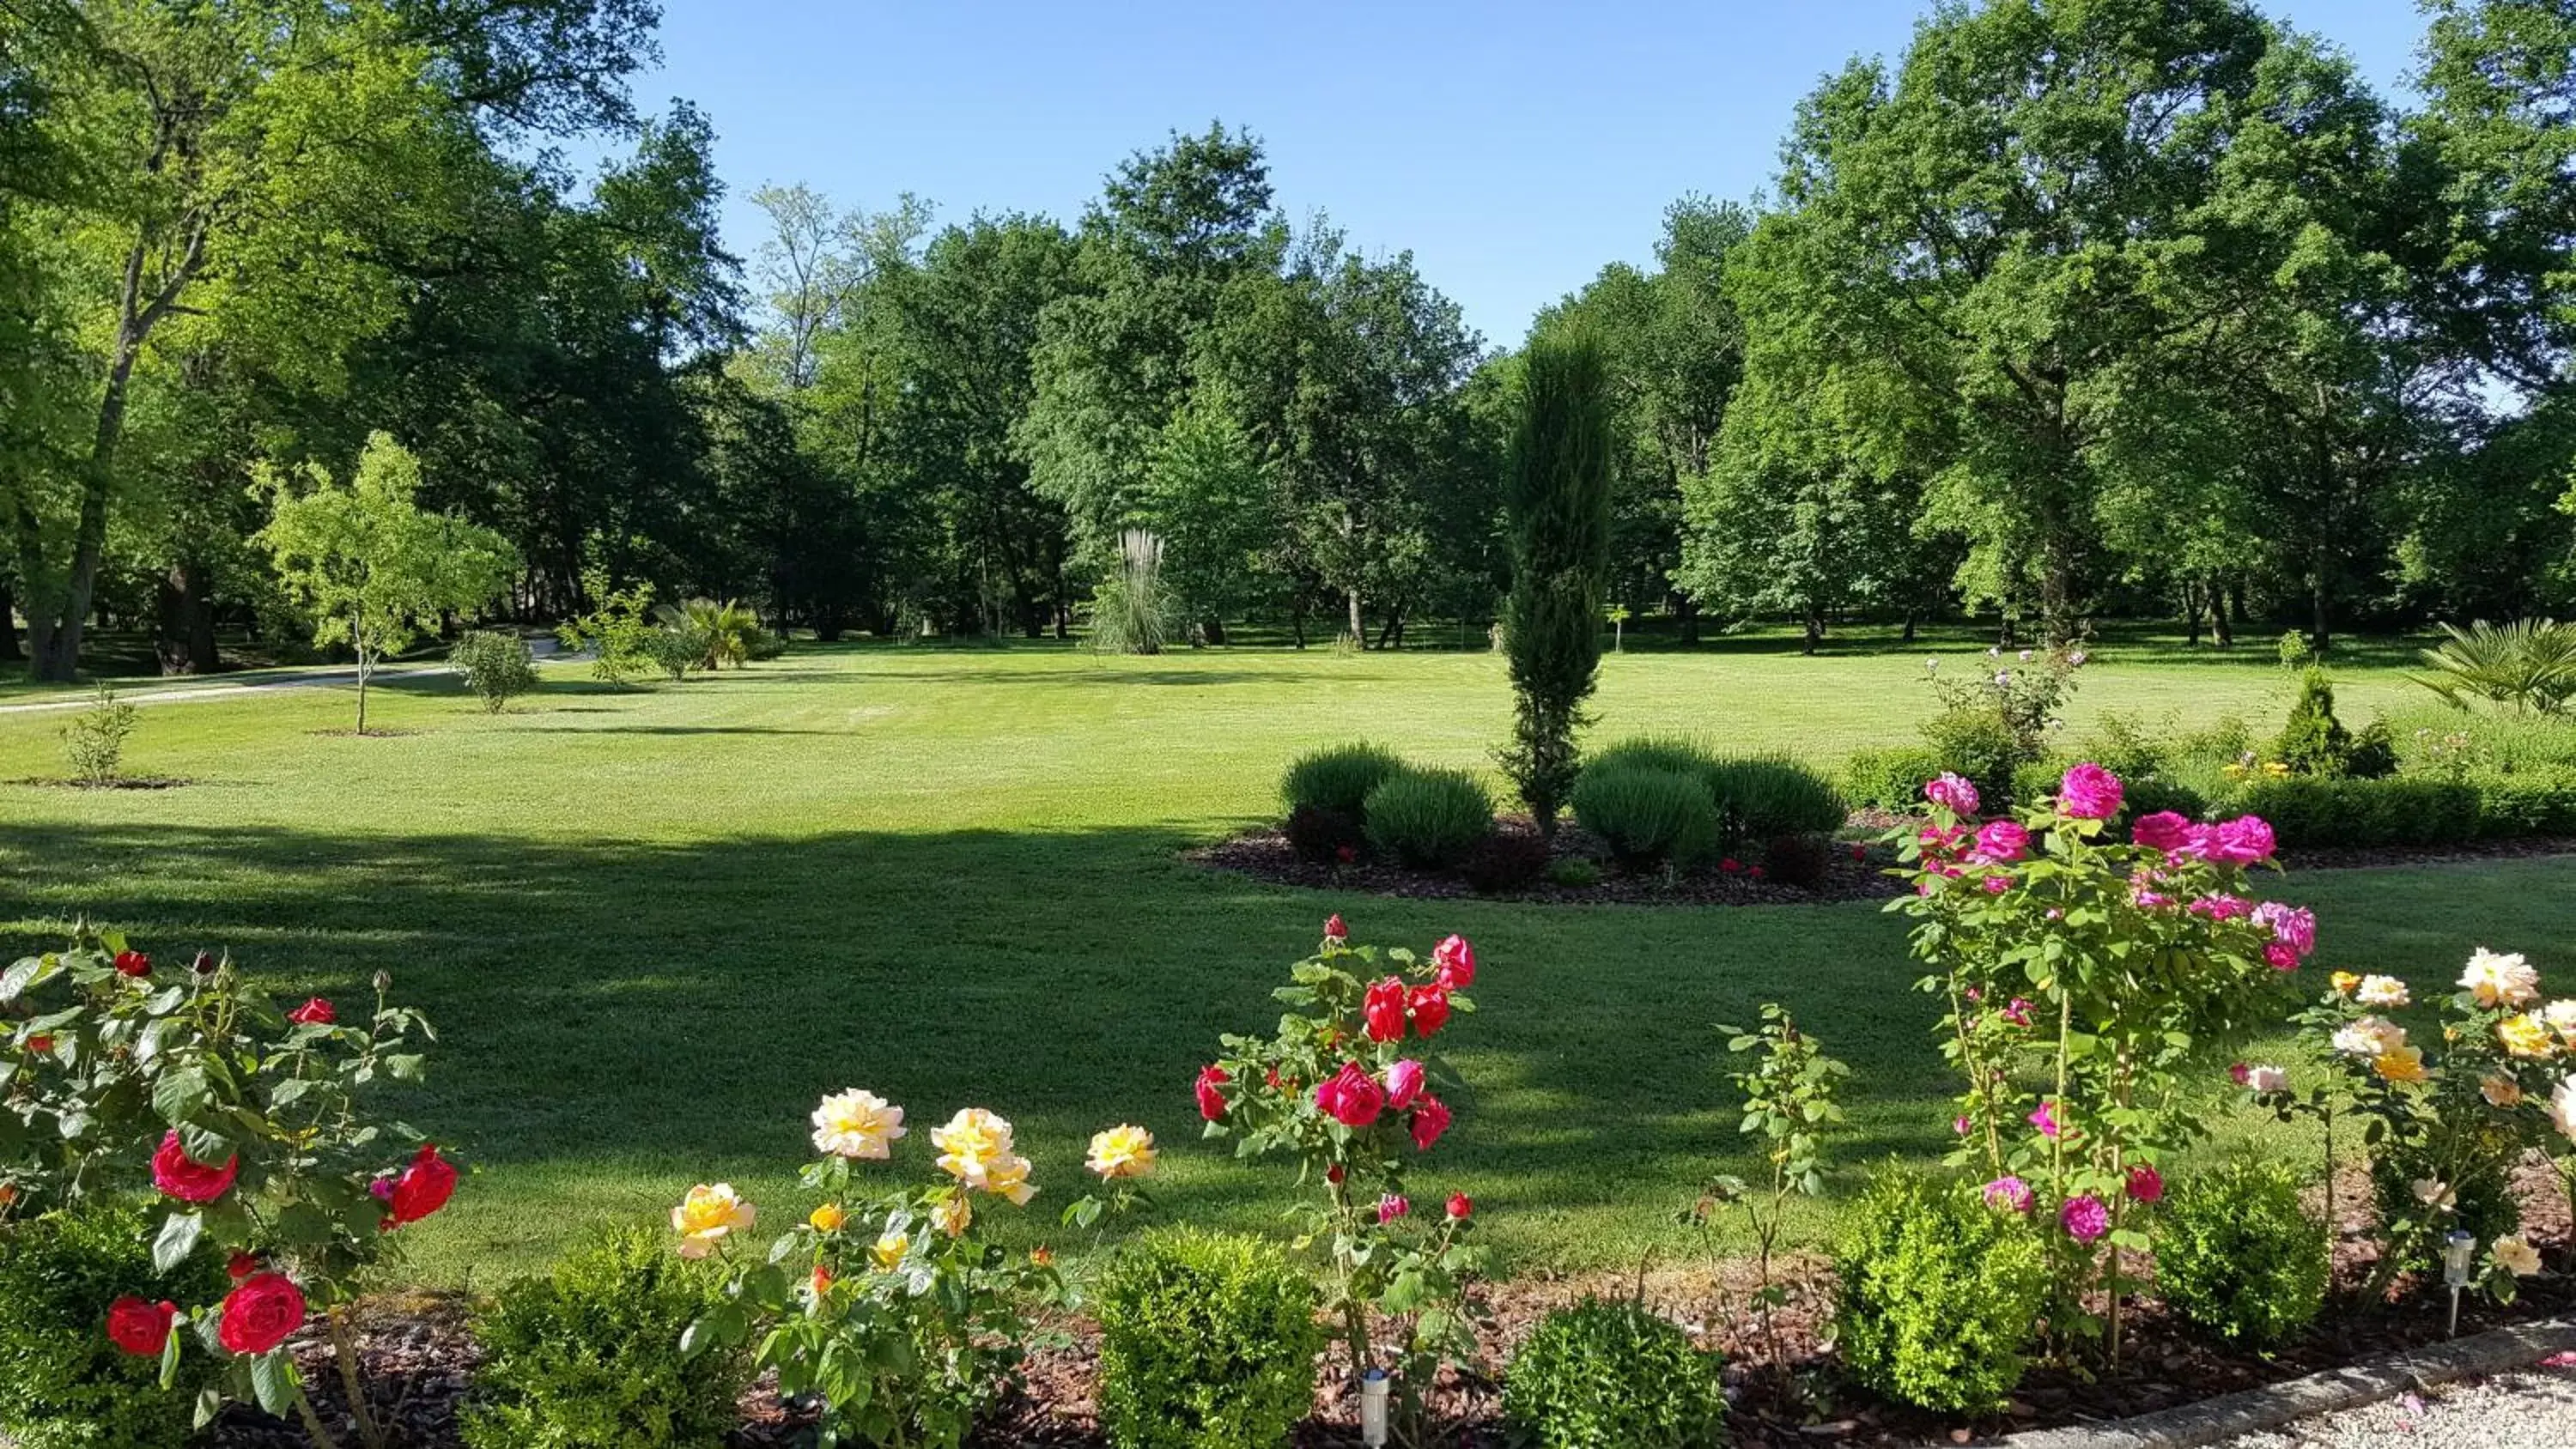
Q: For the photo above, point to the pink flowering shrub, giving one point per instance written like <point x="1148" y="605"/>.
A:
<point x="1349" y="1088"/>
<point x="2085" y="977"/>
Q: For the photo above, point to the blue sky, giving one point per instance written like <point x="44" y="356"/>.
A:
<point x="1514" y="146"/>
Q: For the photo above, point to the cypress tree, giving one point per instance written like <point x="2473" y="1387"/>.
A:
<point x="1558" y="507"/>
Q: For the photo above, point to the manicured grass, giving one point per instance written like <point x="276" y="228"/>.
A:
<point x="654" y="925"/>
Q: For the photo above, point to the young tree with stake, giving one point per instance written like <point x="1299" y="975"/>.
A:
<point x="374" y="570"/>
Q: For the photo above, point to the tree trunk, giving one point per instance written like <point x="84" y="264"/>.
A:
<point x="1815" y="631"/>
<point x="9" y="650"/>
<point x="2320" y="605"/>
<point x="1912" y="622"/>
<point x="186" y="637"/>
<point x="1686" y="611"/>
<point x="2191" y="614"/>
<point x="2221" y="627"/>
<point x="1359" y="627"/>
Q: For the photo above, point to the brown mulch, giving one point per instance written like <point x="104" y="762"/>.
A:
<point x="1265" y="855"/>
<point x="420" y="1359"/>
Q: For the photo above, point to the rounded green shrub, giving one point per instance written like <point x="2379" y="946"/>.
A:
<point x="1764" y="798"/>
<point x="1338" y="779"/>
<point x="1429" y="818"/>
<point x="1648" y="817"/>
<point x="1889" y="779"/>
<point x="2238" y="1256"/>
<point x="1656" y="752"/>
<point x="587" y="1356"/>
<point x="1207" y="1341"/>
<point x="496" y="666"/>
<point x="63" y="1385"/>
<point x="2313" y="741"/>
<point x="1939" y="1294"/>
<point x="1978" y="744"/>
<point x="1606" y="1375"/>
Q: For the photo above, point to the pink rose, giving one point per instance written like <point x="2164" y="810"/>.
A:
<point x="2221" y="907"/>
<point x="1952" y="793"/>
<point x="1430" y="1119"/>
<point x="2011" y="1194"/>
<point x="1211" y="1092"/>
<point x="1335" y="931"/>
<point x="1456" y="961"/>
<point x="2146" y="1185"/>
<point x="2089" y="792"/>
<point x="2017" y="1011"/>
<point x="1997" y="884"/>
<point x="2002" y="842"/>
<point x="1391" y="1207"/>
<point x="1403" y="1084"/>
<point x="2291" y="926"/>
<point x="2085" y="1218"/>
<point x="2280" y="957"/>
<point x="2163" y="830"/>
<point x="1351" y="1096"/>
<point x="2246" y="840"/>
<point x="2045" y="1119"/>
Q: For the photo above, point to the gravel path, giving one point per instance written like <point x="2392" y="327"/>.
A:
<point x="2533" y="1409"/>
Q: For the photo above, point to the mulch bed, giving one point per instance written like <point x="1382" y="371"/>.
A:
<point x="1265" y="855"/>
<point x="420" y="1360"/>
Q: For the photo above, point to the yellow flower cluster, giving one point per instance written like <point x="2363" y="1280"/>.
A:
<point x="709" y="1214"/>
<point x="975" y="1148"/>
<point x="1121" y="1152"/>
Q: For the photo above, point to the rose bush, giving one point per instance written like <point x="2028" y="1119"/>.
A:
<point x="254" y="1129"/>
<point x="2102" y="971"/>
<point x="888" y="1305"/>
<point x="1349" y="1088"/>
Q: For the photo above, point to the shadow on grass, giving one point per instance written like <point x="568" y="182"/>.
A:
<point x="672" y="1004"/>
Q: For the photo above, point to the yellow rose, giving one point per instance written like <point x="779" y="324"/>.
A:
<point x="2526" y="1036"/>
<point x="2344" y="982"/>
<point x="973" y="1143"/>
<point x="1121" y="1152"/>
<point x="827" y="1218"/>
<point x="707" y="1215"/>
<point x="2501" y="1092"/>
<point x="857" y="1124"/>
<point x="2517" y="1256"/>
<point x="889" y="1250"/>
<point x="1010" y="1178"/>
<point x="953" y="1215"/>
<point x="2402" y="1064"/>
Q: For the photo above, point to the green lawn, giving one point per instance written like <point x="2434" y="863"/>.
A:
<point x="654" y="925"/>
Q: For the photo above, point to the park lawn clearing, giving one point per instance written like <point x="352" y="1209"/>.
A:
<point x="653" y="925"/>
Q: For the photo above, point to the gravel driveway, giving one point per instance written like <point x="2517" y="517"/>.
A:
<point x="2533" y="1409"/>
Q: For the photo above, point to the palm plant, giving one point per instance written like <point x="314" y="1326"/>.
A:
<point x="2529" y="664"/>
<point x="728" y="629"/>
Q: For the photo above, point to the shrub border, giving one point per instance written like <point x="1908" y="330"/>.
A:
<point x="2256" y="1411"/>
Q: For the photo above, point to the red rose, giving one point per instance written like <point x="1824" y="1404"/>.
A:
<point x="141" y="1329"/>
<point x="423" y="1188"/>
<point x="1430" y="1009"/>
<point x="40" y="1045"/>
<point x="1730" y="865"/>
<point x="1334" y="1174"/>
<point x="1211" y="1097"/>
<point x="1462" y="1206"/>
<point x="241" y="1266"/>
<point x="133" y="963"/>
<point x="1457" y="962"/>
<point x="183" y="1177"/>
<point x="316" y="1012"/>
<point x="263" y="1312"/>
<point x="1352" y="1097"/>
<point x="1430" y="1119"/>
<point x="1859" y="852"/>
<point x="1383" y="1010"/>
<point x="2146" y="1184"/>
<point x="1335" y="931"/>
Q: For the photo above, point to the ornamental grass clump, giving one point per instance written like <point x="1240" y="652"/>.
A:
<point x="1350" y="1090"/>
<point x="1337" y="779"/>
<point x="1649" y="818"/>
<point x="2088" y="981"/>
<point x="1429" y="819"/>
<point x="257" y="1133"/>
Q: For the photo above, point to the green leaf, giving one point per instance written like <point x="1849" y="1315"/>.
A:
<point x="176" y="1240"/>
<point x="273" y="1382"/>
<point x="179" y="1095"/>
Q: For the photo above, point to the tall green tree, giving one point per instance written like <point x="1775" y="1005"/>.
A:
<point x="1559" y="511"/>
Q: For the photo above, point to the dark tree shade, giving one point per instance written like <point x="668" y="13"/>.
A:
<point x="1558" y="506"/>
